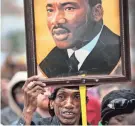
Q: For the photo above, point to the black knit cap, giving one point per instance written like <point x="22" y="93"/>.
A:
<point x="107" y="112"/>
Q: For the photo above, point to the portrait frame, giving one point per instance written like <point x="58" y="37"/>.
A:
<point x="79" y="80"/>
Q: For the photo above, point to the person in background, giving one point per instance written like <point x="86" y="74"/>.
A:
<point x="4" y="92"/>
<point x="93" y="106"/>
<point x="118" y="108"/>
<point x="42" y="101"/>
<point x="42" y="110"/>
<point x="15" y="97"/>
<point x="16" y="101"/>
<point x="93" y="110"/>
<point x="12" y="65"/>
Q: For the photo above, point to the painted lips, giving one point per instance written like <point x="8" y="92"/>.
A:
<point x="60" y="34"/>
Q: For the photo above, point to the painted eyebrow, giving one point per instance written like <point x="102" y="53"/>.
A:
<point x="72" y="3"/>
<point x="64" y="4"/>
<point x="49" y="5"/>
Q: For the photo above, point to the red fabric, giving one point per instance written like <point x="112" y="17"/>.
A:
<point x="93" y="111"/>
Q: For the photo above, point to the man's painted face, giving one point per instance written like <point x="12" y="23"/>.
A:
<point x="67" y="106"/>
<point x="68" y="21"/>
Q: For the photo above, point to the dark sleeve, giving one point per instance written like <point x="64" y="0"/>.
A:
<point x="38" y="121"/>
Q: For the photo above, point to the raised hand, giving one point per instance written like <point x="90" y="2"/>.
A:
<point x="32" y="88"/>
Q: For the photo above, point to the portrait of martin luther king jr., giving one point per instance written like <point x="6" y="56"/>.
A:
<point x="84" y="45"/>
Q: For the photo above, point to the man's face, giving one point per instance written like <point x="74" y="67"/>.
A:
<point x="69" y="21"/>
<point x="42" y="99"/>
<point x="67" y="106"/>
<point x="19" y="95"/>
<point x="123" y="119"/>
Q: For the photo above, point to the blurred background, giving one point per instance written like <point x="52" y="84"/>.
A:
<point x="13" y="51"/>
<point x="13" y="48"/>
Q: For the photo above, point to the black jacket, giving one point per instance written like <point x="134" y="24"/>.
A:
<point x="101" y="60"/>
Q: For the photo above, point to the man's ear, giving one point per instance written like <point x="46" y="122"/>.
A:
<point x="51" y="104"/>
<point x="97" y="12"/>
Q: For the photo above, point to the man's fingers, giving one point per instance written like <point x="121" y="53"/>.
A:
<point x="28" y="91"/>
<point x="33" y="78"/>
<point x="35" y="83"/>
<point x="36" y="88"/>
<point x="35" y="92"/>
<point x="31" y="85"/>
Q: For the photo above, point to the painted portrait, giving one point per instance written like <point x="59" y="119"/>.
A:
<point x="76" y="37"/>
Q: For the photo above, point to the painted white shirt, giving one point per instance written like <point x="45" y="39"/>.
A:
<point x="82" y="53"/>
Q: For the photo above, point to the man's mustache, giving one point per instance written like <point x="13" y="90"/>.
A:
<point x="59" y="27"/>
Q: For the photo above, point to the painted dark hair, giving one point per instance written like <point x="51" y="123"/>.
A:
<point x="94" y="2"/>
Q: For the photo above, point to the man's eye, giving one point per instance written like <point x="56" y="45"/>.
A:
<point x="69" y="8"/>
<point x="77" y="97"/>
<point x="61" y="97"/>
<point x="49" y="10"/>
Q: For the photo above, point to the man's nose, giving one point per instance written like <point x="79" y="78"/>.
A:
<point x="59" y="18"/>
<point x="69" y="103"/>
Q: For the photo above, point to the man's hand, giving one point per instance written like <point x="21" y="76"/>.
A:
<point x="32" y="88"/>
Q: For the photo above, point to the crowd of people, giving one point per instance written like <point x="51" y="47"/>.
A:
<point x="30" y="101"/>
